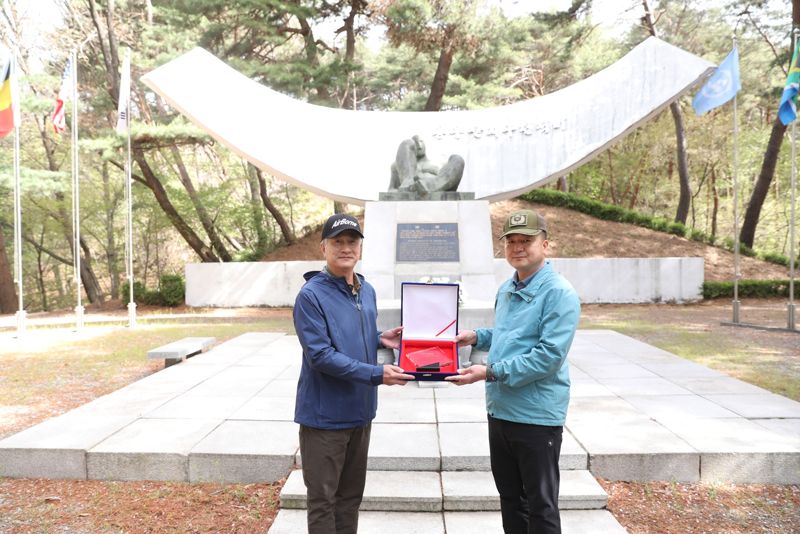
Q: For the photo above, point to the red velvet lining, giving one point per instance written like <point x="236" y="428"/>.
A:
<point x="433" y="349"/>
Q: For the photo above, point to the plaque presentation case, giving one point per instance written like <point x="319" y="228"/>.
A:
<point x="429" y="316"/>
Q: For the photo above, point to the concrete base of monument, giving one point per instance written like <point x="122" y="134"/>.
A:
<point x="435" y="195"/>
<point x="447" y="241"/>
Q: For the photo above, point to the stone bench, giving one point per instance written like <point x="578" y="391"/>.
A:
<point x="177" y="351"/>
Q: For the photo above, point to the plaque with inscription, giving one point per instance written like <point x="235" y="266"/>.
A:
<point x="424" y="242"/>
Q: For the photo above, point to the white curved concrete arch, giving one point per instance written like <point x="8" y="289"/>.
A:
<point x="346" y="155"/>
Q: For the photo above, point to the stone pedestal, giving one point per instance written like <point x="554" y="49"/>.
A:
<point x="390" y="196"/>
<point x="472" y="268"/>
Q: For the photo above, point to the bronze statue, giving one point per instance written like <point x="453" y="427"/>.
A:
<point x="412" y="170"/>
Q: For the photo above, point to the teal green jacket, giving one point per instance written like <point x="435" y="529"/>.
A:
<point x="528" y="346"/>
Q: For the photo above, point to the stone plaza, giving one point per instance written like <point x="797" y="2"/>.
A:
<point x="637" y="413"/>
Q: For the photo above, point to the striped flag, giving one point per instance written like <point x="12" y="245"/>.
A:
<point x="8" y="116"/>
<point x="64" y="95"/>
<point x="787" y="111"/>
<point x="124" y="95"/>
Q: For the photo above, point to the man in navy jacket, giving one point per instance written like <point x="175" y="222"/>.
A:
<point x="335" y="317"/>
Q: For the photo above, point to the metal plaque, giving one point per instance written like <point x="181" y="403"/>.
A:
<point x="425" y="242"/>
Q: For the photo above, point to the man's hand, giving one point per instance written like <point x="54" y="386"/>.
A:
<point x="393" y="375"/>
<point x="466" y="337"/>
<point x="391" y="338"/>
<point x="471" y="374"/>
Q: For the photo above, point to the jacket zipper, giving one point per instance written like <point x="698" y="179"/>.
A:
<point x="361" y="322"/>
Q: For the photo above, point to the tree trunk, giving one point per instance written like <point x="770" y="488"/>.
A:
<point x="8" y="292"/>
<point x="93" y="290"/>
<point x="40" y="276"/>
<point x="356" y="7"/>
<point x="288" y="236"/>
<point x="112" y="259"/>
<point x="151" y="181"/>
<point x="202" y="213"/>
<point x="108" y="49"/>
<point x="761" y="188"/>
<point x="683" y="164"/>
<point x="60" y="289"/>
<point x="258" y="213"/>
<point x="439" y="84"/>
<point x="748" y="232"/>
<point x="612" y="190"/>
<point x="680" y="137"/>
<point x="313" y="59"/>
<point x="715" y="203"/>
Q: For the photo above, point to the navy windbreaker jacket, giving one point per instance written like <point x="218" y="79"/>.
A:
<point x="340" y="339"/>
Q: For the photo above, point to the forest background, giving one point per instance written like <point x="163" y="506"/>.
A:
<point x="194" y="200"/>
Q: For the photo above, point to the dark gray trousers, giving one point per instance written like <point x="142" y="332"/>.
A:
<point x="334" y="471"/>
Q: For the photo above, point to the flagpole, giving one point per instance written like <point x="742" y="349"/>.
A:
<point x="736" y="251"/>
<point x="790" y="308"/>
<point x="76" y="194"/>
<point x="15" y="103"/>
<point x="129" y="199"/>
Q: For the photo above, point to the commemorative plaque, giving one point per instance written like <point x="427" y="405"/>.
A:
<point x="427" y="242"/>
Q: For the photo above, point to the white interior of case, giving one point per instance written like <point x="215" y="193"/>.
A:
<point x="430" y="311"/>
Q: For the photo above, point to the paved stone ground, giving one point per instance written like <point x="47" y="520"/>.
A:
<point x="637" y="413"/>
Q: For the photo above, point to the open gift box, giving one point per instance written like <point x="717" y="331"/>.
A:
<point x="429" y="316"/>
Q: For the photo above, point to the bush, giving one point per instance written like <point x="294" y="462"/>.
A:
<point x="138" y="291"/>
<point x="679" y="229"/>
<point x="152" y="298"/>
<point x="660" y="224"/>
<point x="749" y="289"/>
<point x="172" y="290"/>
<point x="697" y="235"/>
<point x="610" y="212"/>
<point x="248" y="255"/>
<point x="780" y="259"/>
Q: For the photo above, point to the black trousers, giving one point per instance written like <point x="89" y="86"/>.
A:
<point x="334" y="472"/>
<point x="525" y="468"/>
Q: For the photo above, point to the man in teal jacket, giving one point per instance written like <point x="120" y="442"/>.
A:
<point x="527" y="377"/>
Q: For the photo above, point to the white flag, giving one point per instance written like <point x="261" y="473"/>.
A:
<point x="124" y="95"/>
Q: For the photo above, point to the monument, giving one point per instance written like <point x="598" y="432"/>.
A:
<point x="413" y="239"/>
<point x="497" y="153"/>
<point x="415" y="177"/>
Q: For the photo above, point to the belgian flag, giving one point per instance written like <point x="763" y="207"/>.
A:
<point x="6" y="108"/>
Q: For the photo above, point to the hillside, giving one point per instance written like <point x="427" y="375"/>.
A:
<point x="577" y="235"/>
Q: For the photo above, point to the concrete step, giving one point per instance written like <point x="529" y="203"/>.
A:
<point x="442" y="446"/>
<point x="406" y="491"/>
<point x="572" y="522"/>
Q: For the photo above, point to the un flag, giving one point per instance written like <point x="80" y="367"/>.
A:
<point x="721" y="86"/>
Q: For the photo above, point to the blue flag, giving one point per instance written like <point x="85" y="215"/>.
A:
<point x="787" y="111"/>
<point x="721" y="86"/>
